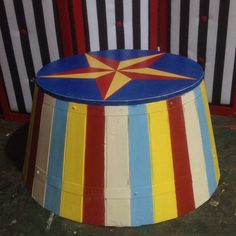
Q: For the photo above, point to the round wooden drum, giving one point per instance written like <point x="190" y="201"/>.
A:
<point x="121" y="138"/>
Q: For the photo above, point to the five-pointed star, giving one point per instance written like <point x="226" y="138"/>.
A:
<point x="111" y="75"/>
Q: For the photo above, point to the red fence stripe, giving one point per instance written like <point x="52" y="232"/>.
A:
<point x="64" y="18"/>
<point x="34" y="143"/>
<point x="79" y="25"/>
<point x="153" y="9"/>
<point x="164" y="26"/>
<point x="183" y="178"/>
<point x="94" y="206"/>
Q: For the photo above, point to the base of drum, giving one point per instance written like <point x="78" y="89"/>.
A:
<point x="121" y="165"/>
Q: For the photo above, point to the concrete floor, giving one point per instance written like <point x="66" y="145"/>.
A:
<point x="21" y="215"/>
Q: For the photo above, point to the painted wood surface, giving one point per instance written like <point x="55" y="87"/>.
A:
<point x="56" y="158"/>
<point x="140" y="166"/>
<point x="117" y="192"/>
<point x="74" y="159"/>
<point x="163" y="182"/>
<point x="195" y="149"/>
<point x="42" y="156"/>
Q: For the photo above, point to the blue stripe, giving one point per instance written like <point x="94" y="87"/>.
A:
<point x="55" y="167"/>
<point x="205" y="141"/>
<point x="140" y="169"/>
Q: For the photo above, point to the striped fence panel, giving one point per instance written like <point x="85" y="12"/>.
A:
<point x="204" y="31"/>
<point x="29" y="39"/>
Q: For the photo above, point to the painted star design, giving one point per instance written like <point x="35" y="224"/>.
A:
<point x="111" y="75"/>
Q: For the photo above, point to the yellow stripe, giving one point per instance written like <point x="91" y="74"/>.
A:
<point x="212" y="139"/>
<point x="150" y="71"/>
<point x="133" y="61"/>
<point x="163" y="186"/>
<point x="87" y="75"/>
<point x="118" y="82"/>
<point x="73" y="174"/>
<point x="95" y="63"/>
<point x="30" y="133"/>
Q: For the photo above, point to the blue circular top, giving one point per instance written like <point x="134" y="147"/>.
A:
<point x="119" y="77"/>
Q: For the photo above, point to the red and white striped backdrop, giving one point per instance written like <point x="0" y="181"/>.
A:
<point x="33" y="33"/>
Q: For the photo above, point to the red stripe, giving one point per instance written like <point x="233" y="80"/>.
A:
<point x="79" y="25"/>
<point x="94" y="206"/>
<point x="183" y="178"/>
<point x="34" y="143"/>
<point x="163" y="25"/>
<point x="65" y="29"/>
<point x="153" y="24"/>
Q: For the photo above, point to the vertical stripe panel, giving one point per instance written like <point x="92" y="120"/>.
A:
<point x="144" y="24"/>
<point x="182" y="171"/>
<point x="72" y="26"/>
<point x="94" y="202"/>
<point x="212" y="139"/>
<point x="55" y="166"/>
<point x="220" y="50"/>
<point x="50" y="29"/>
<point x="195" y="149"/>
<point x="30" y="135"/>
<point x="73" y="174"/>
<point x="164" y="25"/>
<point x="193" y="29"/>
<point x="102" y="24"/>
<point x="153" y="30"/>
<point x="184" y="27"/>
<point x="111" y="25"/>
<point x="202" y="31"/>
<point x="128" y="24"/>
<point x="57" y="28"/>
<point x="117" y="192"/>
<point x="175" y="26"/>
<point x="227" y="82"/>
<point x="136" y="24"/>
<point x="62" y="7"/>
<point x="205" y="141"/>
<point x="140" y="167"/>
<point x="93" y="25"/>
<point x="41" y="31"/>
<point x="211" y="46"/>
<point x="7" y="77"/>
<point x="15" y="37"/>
<point x="42" y="156"/>
<point x="20" y="17"/>
<point x="34" y="141"/>
<point x="119" y="14"/>
<point x="163" y="182"/>
<point x="86" y="26"/>
<point x="79" y="26"/>
<point x="32" y="33"/>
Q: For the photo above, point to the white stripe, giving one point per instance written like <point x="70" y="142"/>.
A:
<point x="15" y="37"/>
<point x="7" y="76"/>
<point x="111" y="25"/>
<point x="32" y="33"/>
<point x="50" y="29"/>
<point x="117" y="167"/>
<point x="175" y="26"/>
<point x="128" y="24"/>
<point x="229" y="55"/>
<point x="211" y="46"/>
<point x="43" y="148"/>
<point x="144" y="24"/>
<point x="195" y="150"/>
<point x="193" y="29"/>
<point x="93" y="25"/>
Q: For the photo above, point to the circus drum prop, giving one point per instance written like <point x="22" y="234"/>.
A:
<point x="121" y="138"/>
